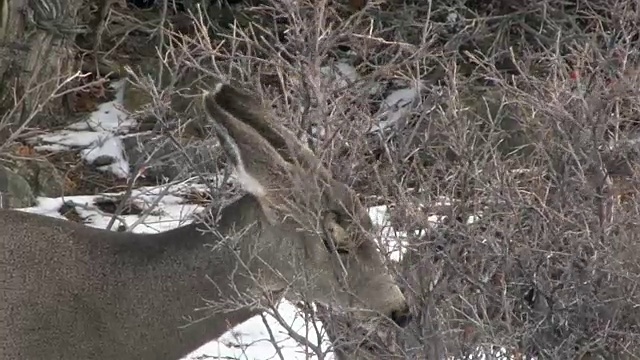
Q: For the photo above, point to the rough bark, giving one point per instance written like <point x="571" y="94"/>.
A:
<point x="34" y="65"/>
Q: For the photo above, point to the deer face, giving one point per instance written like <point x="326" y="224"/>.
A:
<point x="320" y="230"/>
<point x="349" y="270"/>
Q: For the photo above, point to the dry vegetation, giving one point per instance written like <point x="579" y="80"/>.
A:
<point x="526" y="119"/>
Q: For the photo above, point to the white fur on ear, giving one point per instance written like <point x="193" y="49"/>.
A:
<point x="216" y="89"/>
<point x="212" y="92"/>
<point x="248" y="182"/>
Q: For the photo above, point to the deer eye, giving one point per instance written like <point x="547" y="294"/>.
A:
<point x="335" y="234"/>
<point x="331" y="247"/>
<point x="342" y="251"/>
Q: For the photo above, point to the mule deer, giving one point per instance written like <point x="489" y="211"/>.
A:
<point x="72" y="292"/>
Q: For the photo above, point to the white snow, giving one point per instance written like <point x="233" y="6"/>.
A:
<point x="98" y="136"/>
<point x="342" y="73"/>
<point x="251" y="339"/>
<point x="111" y="146"/>
<point x="109" y="116"/>
<point x="395" y="107"/>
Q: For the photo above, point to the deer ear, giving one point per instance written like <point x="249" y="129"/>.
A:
<point x="259" y="167"/>
<point x="250" y="110"/>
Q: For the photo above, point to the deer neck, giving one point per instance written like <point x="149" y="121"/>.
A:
<point x="198" y="276"/>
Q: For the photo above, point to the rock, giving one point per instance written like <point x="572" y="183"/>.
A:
<point x="103" y="160"/>
<point x="41" y="175"/>
<point x="15" y="191"/>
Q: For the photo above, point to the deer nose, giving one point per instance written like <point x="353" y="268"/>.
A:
<point x="402" y="317"/>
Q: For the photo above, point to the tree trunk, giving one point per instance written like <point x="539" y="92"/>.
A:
<point x="35" y="65"/>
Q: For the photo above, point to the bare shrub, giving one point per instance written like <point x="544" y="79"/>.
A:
<point x="524" y="119"/>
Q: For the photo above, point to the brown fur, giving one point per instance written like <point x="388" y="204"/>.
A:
<point x="72" y="292"/>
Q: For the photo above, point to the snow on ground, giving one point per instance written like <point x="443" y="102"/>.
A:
<point x="98" y="135"/>
<point x="251" y="340"/>
<point x="395" y="107"/>
<point x="248" y="341"/>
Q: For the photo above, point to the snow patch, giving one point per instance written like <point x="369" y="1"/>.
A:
<point x="99" y="136"/>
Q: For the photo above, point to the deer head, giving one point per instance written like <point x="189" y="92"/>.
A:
<point x="317" y="236"/>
